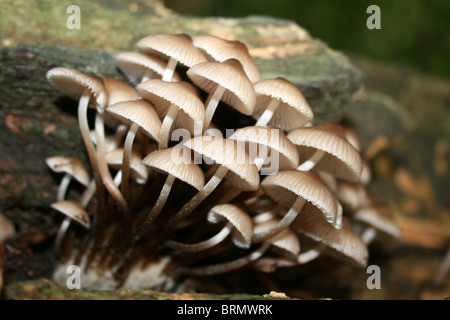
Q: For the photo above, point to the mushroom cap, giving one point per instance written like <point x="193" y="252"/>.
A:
<point x="72" y="83"/>
<point x="344" y="244"/>
<point x="286" y="186"/>
<point x="229" y="74"/>
<point x="243" y="225"/>
<point x="352" y="195"/>
<point x="74" y="210"/>
<point x="286" y="239"/>
<point x="138" y="171"/>
<point x="378" y="216"/>
<point x="293" y="112"/>
<point x="181" y="94"/>
<point x="341" y="158"/>
<point x="178" y="165"/>
<point x="7" y="229"/>
<point x="140" y="112"/>
<point x="72" y="166"/>
<point x="135" y="64"/>
<point x="119" y="91"/>
<point x="219" y="49"/>
<point x="276" y="142"/>
<point x="242" y="172"/>
<point x="176" y="46"/>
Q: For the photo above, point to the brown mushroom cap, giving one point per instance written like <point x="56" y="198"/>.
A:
<point x="340" y="159"/>
<point x="73" y="83"/>
<point x="378" y="216"/>
<point x="139" y="172"/>
<point x="243" y="226"/>
<point x="72" y="166"/>
<point x="179" y="166"/>
<point x="293" y="111"/>
<point x="74" y="210"/>
<point x="242" y="172"/>
<point x="286" y="186"/>
<point x="286" y="239"/>
<point x="219" y="49"/>
<point x="136" y="65"/>
<point x="239" y="92"/>
<point x="276" y="143"/>
<point x="139" y="112"/>
<point x="181" y="94"/>
<point x="344" y="244"/>
<point x="176" y="46"/>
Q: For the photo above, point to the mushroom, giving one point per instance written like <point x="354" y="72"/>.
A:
<point x="174" y="101"/>
<point x="344" y="244"/>
<point x="7" y="229"/>
<point x="286" y="240"/>
<point x="280" y="103"/>
<point x="233" y="162"/>
<point x="324" y="147"/>
<point x="376" y="219"/>
<point x="72" y="168"/>
<point x="295" y="190"/>
<point x="239" y="225"/>
<point x="89" y="91"/>
<point x="175" y="166"/>
<point x="137" y="170"/>
<point x="353" y="195"/>
<point x="263" y="143"/>
<point x="226" y="81"/>
<point x="218" y="49"/>
<point x="177" y="48"/>
<point x="139" y="115"/>
<point x="139" y="67"/>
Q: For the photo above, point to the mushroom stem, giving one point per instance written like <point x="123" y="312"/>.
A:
<point x="161" y="201"/>
<point x="170" y="69"/>
<point x="126" y="158"/>
<point x="90" y="148"/>
<point x="227" y="266"/>
<point x="147" y="75"/>
<point x="312" y="161"/>
<point x="167" y="124"/>
<point x="199" y="246"/>
<point x="368" y="235"/>
<point x="62" y="189"/>
<point x="282" y="224"/>
<point x="103" y="165"/>
<point x="211" y="104"/>
<point x="268" y="112"/>
<point x="195" y="201"/>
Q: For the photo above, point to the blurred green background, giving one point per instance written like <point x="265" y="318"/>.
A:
<point x="415" y="33"/>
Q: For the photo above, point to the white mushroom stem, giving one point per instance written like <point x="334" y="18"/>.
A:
<point x="195" y="201"/>
<point x="368" y="235"/>
<point x="128" y="145"/>
<point x="211" y="104"/>
<point x="161" y="201"/>
<point x="63" y="185"/>
<point x="103" y="165"/>
<point x="170" y="69"/>
<point x="312" y="161"/>
<point x="227" y="266"/>
<point x="282" y="224"/>
<point x="90" y="148"/>
<point x="167" y="125"/>
<point x="267" y="115"/>
<point x="206" y="244"/>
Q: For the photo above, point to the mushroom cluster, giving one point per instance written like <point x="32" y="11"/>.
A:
<point x="177" y="189"/>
